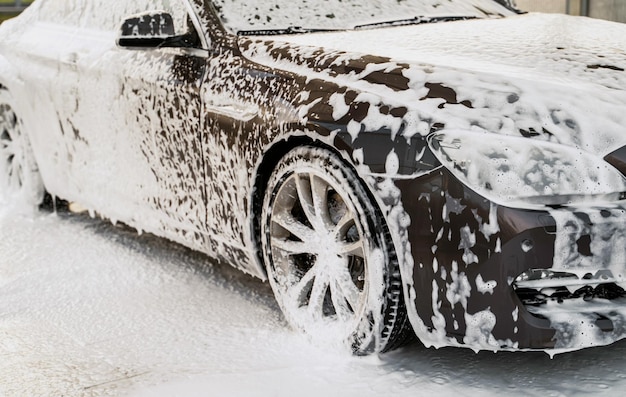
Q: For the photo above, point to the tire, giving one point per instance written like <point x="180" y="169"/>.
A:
<point x="328" y="254"/>
<point x="20" y="182"/>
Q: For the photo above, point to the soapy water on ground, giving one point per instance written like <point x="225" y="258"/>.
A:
<point x="92" y="309"/>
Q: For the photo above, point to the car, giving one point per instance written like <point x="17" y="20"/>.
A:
<point x="451" y="170"/>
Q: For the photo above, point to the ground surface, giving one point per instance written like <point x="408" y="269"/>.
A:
<point x="90" y="309"/>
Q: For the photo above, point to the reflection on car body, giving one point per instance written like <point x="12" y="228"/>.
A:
<point x="449" y="169"/>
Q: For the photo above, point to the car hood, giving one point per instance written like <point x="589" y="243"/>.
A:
<point x="554" y="77"/>
<point x="549" y="45"/>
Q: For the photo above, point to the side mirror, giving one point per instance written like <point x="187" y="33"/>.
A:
<point x="151" y="29"/>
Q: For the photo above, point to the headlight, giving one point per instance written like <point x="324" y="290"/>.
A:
<point x="515" y="169"/>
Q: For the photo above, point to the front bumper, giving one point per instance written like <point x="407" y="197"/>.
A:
<point x="495" y="277"/>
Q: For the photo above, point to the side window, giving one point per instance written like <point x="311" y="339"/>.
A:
<point x="66" y="12"/>
<point x="108" y="14"/>
<point x="175" y="8"/>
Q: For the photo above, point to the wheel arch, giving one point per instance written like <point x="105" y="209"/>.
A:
<point x="399" y="331"/>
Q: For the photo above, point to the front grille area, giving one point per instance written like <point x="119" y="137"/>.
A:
<point x="536" y="287"/>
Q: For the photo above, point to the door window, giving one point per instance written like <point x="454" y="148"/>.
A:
<point x="108" y="14"/>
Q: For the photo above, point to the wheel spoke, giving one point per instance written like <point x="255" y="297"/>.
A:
<point x="298" y="290"/>
<point x="352" y="249"/>
<point x="7" y="122"/>
<point x="14" y="176"/>
<point x="348" y="289"/>
<point x="344" y="224"/>
<point x="304" y="196"/>
<point x="12" y="157"/>
<point x="290" y="247"/>
<point x="293" y="226"/>
<point x="6" y="143"/>
<point x="340" y="302"/>
<point x="318" y="293"/>
<point x="319" y="193"/>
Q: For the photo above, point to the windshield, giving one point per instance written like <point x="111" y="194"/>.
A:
<point x="265" y="15"/>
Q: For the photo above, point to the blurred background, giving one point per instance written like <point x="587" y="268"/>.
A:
<point x="613" y="10"/>
<point x="10" y="8"/>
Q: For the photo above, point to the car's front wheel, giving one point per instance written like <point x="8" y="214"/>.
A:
<point x="328" y="254"/>
<point x="20" y="182"/>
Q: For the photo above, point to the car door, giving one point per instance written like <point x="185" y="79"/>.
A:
<point x="128" y="145"/>
<point x="57" y="51"/>
<point x="161" y="104"/>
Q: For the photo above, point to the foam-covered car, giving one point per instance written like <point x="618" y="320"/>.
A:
<point x="449" y="169"/>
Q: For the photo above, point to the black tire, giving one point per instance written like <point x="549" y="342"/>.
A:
<point x="329" y="257"/>
<point x="20" y="181"/>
